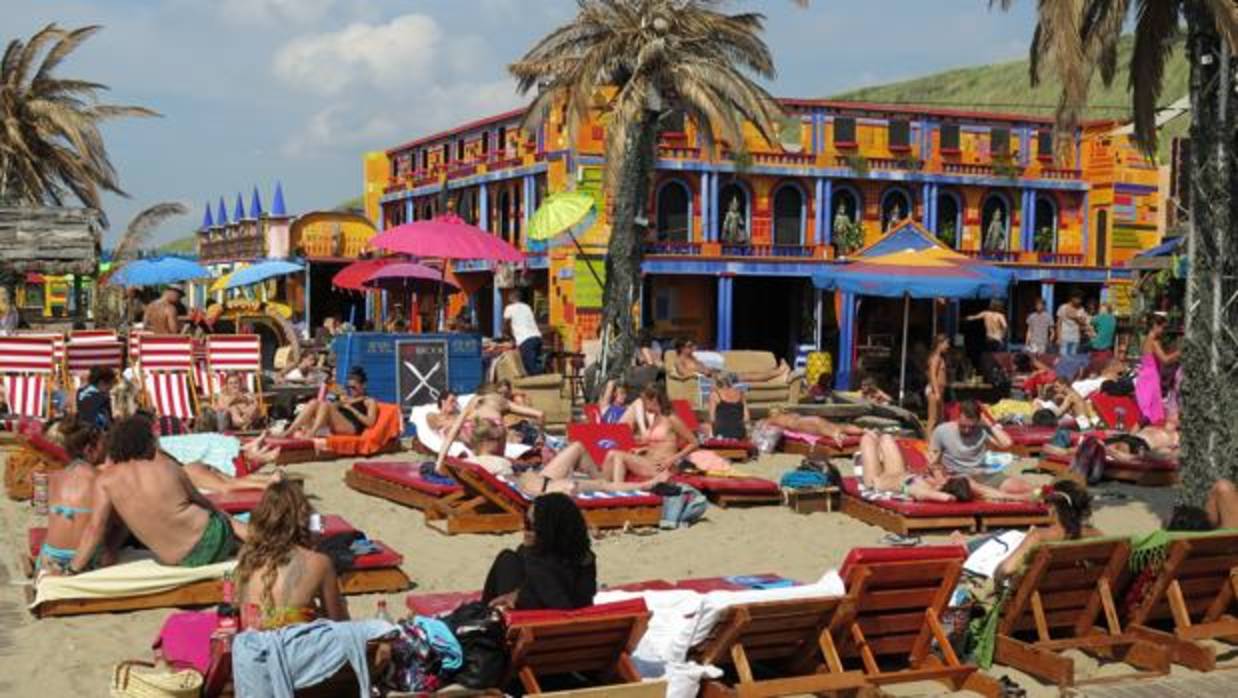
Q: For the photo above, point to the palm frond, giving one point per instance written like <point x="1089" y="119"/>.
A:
<point x="1156" y="27"/>
<point x="140" y="228"/>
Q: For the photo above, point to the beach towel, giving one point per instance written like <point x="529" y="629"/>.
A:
<point x="386" y="428"/>
<point x="216" y="450"/>
<point x="139" y="575"/>
<point x="433" y="440"/>
<point x="273" y="664"/>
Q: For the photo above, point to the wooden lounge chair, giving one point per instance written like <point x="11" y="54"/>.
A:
<point x="1145" y="471"/>
<point x="28" y="370"/>
<point x="899" y="597"/>
<point x="596" y="640"/>
<point x="1194" y="597"/>
<point x="402" y="483"/>
<point x="792" y="635"/>
<point x="382" y="437"/>
<point x="734" y="449"/>
<point x="904" y="516"/>
<point x="1062" y="598"/>
<point x="494" y="505"/>
<point x="601" y="439"/>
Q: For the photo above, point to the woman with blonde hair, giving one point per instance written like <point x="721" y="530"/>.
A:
<point x="281" y="579"/>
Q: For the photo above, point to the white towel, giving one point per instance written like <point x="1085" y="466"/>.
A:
<point x="433" y="440"/>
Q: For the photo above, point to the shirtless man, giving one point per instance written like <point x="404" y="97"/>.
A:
<point x="157" y="502"/>
<point x="994" y="326"/>
<point x="161" y="316"/>
<point x="687" y="365"/>
<point x="1159" y="442"/>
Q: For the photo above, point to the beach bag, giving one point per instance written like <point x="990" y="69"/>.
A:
<point x="424" y="656"/>
<point x="766" y="439"/>
<point x="155" y="683"/>
<point x="685" y="508"/>
<point x="185" y="639"/>
<point x="1089" y="460"/>
<point x="482" y="634"/>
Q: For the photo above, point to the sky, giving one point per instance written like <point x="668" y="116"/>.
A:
<point x="253" y="92"/>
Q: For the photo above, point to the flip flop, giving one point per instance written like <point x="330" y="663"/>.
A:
<point x="898" y="541"/>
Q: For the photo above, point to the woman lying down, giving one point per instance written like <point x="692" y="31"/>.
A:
<point x="570" y="471"/>
<point x="885" y="470"/>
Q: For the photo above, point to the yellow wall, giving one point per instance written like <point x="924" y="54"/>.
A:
<point x="331" y="234"/>
<point x="376" y="169"/>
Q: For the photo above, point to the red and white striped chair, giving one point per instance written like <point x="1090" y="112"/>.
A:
<point x="165" y="366"/>
<point x="87" y="349"/>
<point x="27" y="372"/>
<point x="202" y="370"/>
<point x="235" y="353"/>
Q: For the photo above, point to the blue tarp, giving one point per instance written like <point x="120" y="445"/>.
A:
<point x="871" y="282"/>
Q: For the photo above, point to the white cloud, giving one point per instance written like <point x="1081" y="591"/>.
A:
<point x="399" y="53"/>
<point x="301" y="11"/>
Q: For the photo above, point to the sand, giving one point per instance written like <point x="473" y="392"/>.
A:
<point x="74" y="656"/>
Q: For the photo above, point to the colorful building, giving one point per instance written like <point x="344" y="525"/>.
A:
<point x="733" y="230"/>
<point x="324" y="241"/>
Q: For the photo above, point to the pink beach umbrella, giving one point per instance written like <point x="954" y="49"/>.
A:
<point x="446" y="237"/>
<point x="354" y="275"/>
<point x="408" y="277"/>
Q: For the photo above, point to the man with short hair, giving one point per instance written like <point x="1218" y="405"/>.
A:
<point x="527" y="335"/>
<point x="1104" y="329"/>
<point x="962" y="447"/>
<point x="163" y="315"/>
<point x="1039" y="329"/>
<point x="94" y="400"/>
<point x="1070" y="321"/>
<point x="154" y="498"/>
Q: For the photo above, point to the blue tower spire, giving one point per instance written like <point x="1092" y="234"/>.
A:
<point x="207" y="221"/>
<point x="277" y="204"/>
<point x="221" y="218"/>
<point x="255" y="205"/>
<point x="238" y="211"/>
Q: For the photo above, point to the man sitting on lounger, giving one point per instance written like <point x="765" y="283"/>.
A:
<point x="962" y="446"/>
<point x="156" y="501"/>
<point x="884" y="470"/>
<point x="686" y="364"/>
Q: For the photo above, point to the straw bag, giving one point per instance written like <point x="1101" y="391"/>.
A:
<point x="158" y="683"/>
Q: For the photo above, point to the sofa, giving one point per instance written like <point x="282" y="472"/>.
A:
<point x="547" y="392"/>
<point x="774" y="393"/>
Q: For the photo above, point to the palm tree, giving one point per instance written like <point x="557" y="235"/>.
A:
<point x="634" y="63"/>
<point x="108" y="299"/>
<point x="1079" y="38"/>
<point x="50" y="145"/>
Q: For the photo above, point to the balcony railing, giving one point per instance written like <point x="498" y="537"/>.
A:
<point x="967" y="168"/>
<point x="993" y="255"/>
<point x="1019" y="257"/>
<point x="1060" y="173"/>
<point x="247" y="247"/>
<point x="676" y="248"/>
<point x="678" y="152"/>
<point x="333" y="244"/>
<point x="1061" y="258"/>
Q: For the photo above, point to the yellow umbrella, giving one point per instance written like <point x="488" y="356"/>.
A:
<point x="221" y="283"/>
<point x="558" y="213"/>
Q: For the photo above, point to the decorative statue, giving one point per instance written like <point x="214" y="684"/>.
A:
<point x="896" y="215"/>
<point x="733" y="224"/>
<point x="995" y="234"/>
<point x="846" y="231"/>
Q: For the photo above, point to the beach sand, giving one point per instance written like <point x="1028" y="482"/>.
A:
<point x="74" y="656"/>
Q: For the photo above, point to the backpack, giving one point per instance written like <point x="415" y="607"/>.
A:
<point x="482" y="634"/>
<point x="1089" y="460"/>
<point x="685" y="508"/>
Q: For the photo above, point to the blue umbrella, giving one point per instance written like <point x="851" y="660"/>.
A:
<point x="157" y="271"/>
<point x="257" y="273"/>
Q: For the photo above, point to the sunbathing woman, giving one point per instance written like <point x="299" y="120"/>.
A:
<point x="885" y="470"/>
<point x="448" y="410"/>
<point x="687" y="365"/>
<point x="614" y="402"/>
<point x="209" y="478"/>
<point x="492" y="405"/>
<point x="235" y="409"/>
<point x="660" y="434"/>
<point x="814" y="426"/>
<point x="1062" y="400"/>
<point x="281" y="579"/>
<point x="69" y="496"/>
<point x="1157" y="442"/>
<point x="1070" y="507"/>
<point x="558" y="475"/>
<point x="350" y="416"/>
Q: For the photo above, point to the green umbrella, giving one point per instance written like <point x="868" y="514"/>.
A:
<point x="558" y="213"/>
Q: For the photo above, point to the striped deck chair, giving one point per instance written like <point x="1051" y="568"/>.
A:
<point x="27" y="372"/>
<point x="86" y="350"/>
<point x="235" y="353"/>
<point x="166" y="370"/>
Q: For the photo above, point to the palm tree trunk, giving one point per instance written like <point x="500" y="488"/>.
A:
<point x="1210" y="356"/>
<point x="625" y="250"/>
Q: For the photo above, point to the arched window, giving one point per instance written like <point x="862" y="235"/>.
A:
<point x="995" y="223"/>
<point x="949" y="218"/>
<point x="895" y="206"/>
<point x="788" y="215"/>
<point x="846" y="204"/>
<point x="735" y="217"/>
<point x="1045" y="236"/>
<point x="674" y="206"/>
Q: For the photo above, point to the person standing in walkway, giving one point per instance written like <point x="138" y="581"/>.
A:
<point x="1039" y="329"/>
<point x="1104" y="328"/>
<point x="994" y="318"/>
<point x="528" y="337"/>
<point x="163" y="315"/>
<point x="1070" y="319"/>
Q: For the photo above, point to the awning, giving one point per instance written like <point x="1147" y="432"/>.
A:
<point x="1165" y="249"/>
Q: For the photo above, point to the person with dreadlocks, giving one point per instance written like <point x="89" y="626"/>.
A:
<point x="281" y="579"/>
<point x="1070" y="507"/>
<point x="554" y="568"/>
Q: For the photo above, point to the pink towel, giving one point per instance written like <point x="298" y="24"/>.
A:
<point x="185" y="639"/>
<point x="810" y="439"/>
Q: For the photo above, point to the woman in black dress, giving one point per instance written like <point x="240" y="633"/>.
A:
<point x="554" y="568"/>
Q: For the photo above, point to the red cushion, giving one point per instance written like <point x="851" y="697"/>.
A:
<point x="593" y="500"/>
<point x="868" y="556"/>
<point x="648" y="585"/>
<point x="1030" y="434"/>
<point x="334" y="523"/>
<point x="238" y="501"/>
<point x="683" y="410"/>
<point x="405" y="474"/>
<point x="1147" y="464"/>
<point x="434" y="604"/>
<point x="34" y="538"/>
<point x="930" y="509"/>
<point x="715" y="443"/>
<point x="729" y="485"/>
<point x="914" y="456"/>
<point x="48" y="448"/>
<point x="630" y="607"/>
<point x="288" y="443"/>
<point x="385" y="557"/>
<point x="1107" y="406"/>
<point x="600" y="439"/>
<point x="593" y="414"/>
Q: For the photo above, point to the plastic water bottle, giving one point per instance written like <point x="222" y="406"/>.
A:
<point x="381" y="613"/>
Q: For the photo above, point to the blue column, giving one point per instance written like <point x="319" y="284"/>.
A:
<point x="496" y="313"/>
<point x="379" y="224"/>
<point x="1025" y="145"/>
<point x="483" y="205"/>
<point x="308" y="323"/>
<point x="926" y="200"/>
<point x="819" y="205"/>
<point x="530" y="192"/>
<point x="706" y="222"/>
<point x="846" y="344"/>
<point x="1029" y="219"/>
<point x="932" y="206"/>
<point x="1046" y="294"/>
<point x="827" y="210"/>
<point x="726" y="289"/>
<point x="1087" y="220"/>
<point x="713" y="206"/>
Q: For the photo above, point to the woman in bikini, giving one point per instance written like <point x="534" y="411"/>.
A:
<point x="660" y="434"/>
<point x="349" y="417"/>
<point x="558" y="475"/>
<point x="490" y="405"/>
<point x="728" y="411"/>
<point x="70" y="496"/>
<point x="885" y="470"/>
<point x="935" y="390"/>
<point x="236" y="409"/>
<point x="808" y="424"/>
<point x="281" y="579"/>
<point x="448" y="409"/>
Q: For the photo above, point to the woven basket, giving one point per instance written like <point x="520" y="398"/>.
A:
<point x="161" y="683"/>
<point x="20" y="468"/>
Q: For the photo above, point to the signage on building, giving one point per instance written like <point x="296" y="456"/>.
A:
<point x="421" y="370"/>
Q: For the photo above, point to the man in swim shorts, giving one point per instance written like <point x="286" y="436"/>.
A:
<point x="154" y="498"/>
